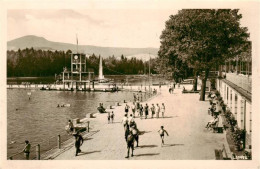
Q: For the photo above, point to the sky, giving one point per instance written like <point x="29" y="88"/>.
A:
<point x="99" y="27"/>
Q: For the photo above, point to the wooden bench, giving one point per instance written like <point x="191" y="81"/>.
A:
<point x="221" y="154"/>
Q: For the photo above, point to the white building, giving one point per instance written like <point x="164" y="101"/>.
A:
<point x="235" y="90"/>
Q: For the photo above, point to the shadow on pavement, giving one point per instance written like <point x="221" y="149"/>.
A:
<point x="87" y="138"/>
<point x="90" y="152"/>
<point x="143" y="132"/>
<point x="170" y="145"/>
<point x="148" y="154"/>
<point x="148" y="146"/>
<point x="114" y="122"/>
<point x="165" y="117"/>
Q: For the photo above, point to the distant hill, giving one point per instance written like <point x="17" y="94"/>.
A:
<point x="42" y="43"/>
<point x="144" y="56"/>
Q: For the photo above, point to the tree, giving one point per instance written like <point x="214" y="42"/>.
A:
<point x="204" y="38"/>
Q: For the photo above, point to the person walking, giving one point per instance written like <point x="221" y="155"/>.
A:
<point x="141" y="111"/>
<point x="133" y="109"/>
<point x="161" y="132"/>
<point x="153" y="110"/>
<point x="130" y="144"/>
<point x="138" y="107"/>
<point x="108" y="117"/>
<point x="70" y="126"/>
<point x="157" y="111"/>
<point x="131" y="120"/>
<point x="135" y="133"/>
<point x="146" y="109"/>
<point x="163" y="109"/>
<point x="112" y="116"/>
<point x="134" y="97"/>
<point x="170" y="90"/>
<point x="126" y="109"/>
<point x="78" y="142"/>
<point x="125" y="121"/>
<point x="27" y="149"/>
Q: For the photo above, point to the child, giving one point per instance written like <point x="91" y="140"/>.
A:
<point x="112" y="116"/>
<point x="161" y="132"/>
<point x="108" y="117"/>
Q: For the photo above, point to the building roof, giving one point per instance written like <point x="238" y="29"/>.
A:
<point x="240" y="90"/>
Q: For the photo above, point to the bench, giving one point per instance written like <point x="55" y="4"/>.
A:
<point x="221" y="154"/>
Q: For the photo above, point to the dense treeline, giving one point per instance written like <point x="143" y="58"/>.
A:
<point x="39" y="63"/>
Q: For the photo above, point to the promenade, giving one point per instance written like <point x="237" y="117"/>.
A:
<point x="185" y="122"/>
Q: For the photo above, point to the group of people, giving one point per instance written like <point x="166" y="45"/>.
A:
<point x="110" y="116"/>
<point x="78" y="138"/>
<point x="214" y="111"/>
<point x="138" y="109"/>
<point x="171" y="88"/>
<point x="131" y="133"/>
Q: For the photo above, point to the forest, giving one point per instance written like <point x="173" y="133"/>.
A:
<point x="41" y="63"/>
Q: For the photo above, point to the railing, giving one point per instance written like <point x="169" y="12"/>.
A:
<point x="38" y="150"/>
<point x="243" y="81"/>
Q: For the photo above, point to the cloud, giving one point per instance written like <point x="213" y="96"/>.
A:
<point x="28" y="14"/>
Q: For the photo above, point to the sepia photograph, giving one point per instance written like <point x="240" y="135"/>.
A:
<point x="130" y="82"/>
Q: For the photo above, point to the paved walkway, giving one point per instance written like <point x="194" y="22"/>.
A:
<point x="185" y="122"/>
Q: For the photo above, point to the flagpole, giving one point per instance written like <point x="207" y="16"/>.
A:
<point x="77" y="41"/>
<point x="149" y="73"/>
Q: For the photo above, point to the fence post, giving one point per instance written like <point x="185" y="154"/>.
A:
<point x="59" y="142"/>
<point x="88" y="126"/>
<point x="38" y="152"/>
